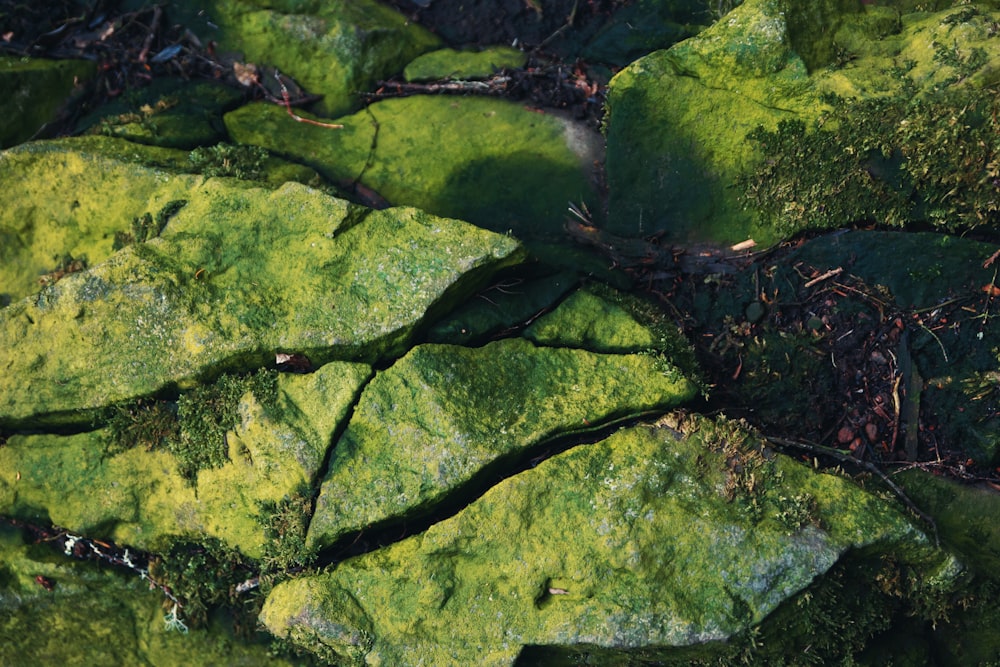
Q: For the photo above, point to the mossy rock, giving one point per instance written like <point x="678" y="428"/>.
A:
<point x="444" y="415"/>
<point x="35" y="91"/>
<point x="502" y="167"/>
<point x="98" y="615"/>
<point x="655" y="539"/>
<point x="789" y="115"/>
<point x="115" y="485"/>
<point x="452" y="64"/>
<point x="237" y="275"/>
<point x="333" y="49"/>
<point x="71" y="202"/>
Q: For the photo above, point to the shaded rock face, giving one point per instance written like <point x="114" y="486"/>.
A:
<point x="35" y="92"/>
<point x="640" y="540"/>
<point x="504" y="167"/>
<point x="683" y="123"/>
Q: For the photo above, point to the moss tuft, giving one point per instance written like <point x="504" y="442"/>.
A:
<point x="888" y="160"/>
<point x="208" y="412"/>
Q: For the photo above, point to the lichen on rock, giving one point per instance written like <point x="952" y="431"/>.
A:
<point x="238" y="274"/>
<point x="653" y="538"/>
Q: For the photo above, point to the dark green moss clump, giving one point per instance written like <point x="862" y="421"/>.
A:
<point x="285" y="525"/>
<point x="147" y="226"/>
<point x="246" y="162"/>
<point x="194" y="427"/>
<point x="891" y="161"/>
<point x="202" y="577"/>
<point x="146" y="423"/>
<point x="208" y="412"/>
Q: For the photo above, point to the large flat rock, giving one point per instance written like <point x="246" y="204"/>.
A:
<point x="651" y="539"/>
<point x="444" y="414"/>
<point x="237" y="275"/>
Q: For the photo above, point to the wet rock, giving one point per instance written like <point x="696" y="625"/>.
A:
<point x="444" y="415"/>
<point x="452" y="64"/>
<point x="236" y="275"/>
<point x="107" y="484"/>
<point x="654" y="538"/>
<point x="35" y="91"/>
<point x="503" y="167"/>
<point x="332" y="49"/>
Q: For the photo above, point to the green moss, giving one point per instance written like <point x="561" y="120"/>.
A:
<point x="429" y="425"/>
<point x="505" y="168"/>
<point x="35" y="91"/>
<point x="101" y="615"/>
<point x="223" y="159"/>
<point x="207" y="413"/>
<point x="204" y="576"/>
<point x="452" y="64"/>
<point x="146" y="423"/>
<point x="332" y="49"/>
<point x="285" y="524"/>
<point x="890" y="160"/>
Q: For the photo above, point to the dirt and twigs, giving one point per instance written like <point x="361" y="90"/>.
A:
<point x="817" y="358"/>
<point x="543" y="83"/>
<point x="134" y="48"/>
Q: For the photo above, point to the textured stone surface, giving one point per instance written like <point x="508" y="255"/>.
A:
<point x="138" y="497"/>
<point x="237" y="275"/>
<point x="504" y="167"/>
<point x="444" y="414"/>
<point x="334" y="49"/>
<point x="651" y="538"/>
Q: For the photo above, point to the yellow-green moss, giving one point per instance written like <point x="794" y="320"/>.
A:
<point x="443" y="413"/>
<point x="503" y="167"/>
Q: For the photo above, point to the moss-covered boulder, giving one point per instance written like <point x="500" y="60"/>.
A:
<point x="334" y="49"/>
<point x="788" y="115"/>
<point x="500" y="166"/>
<point x="657" y="537"/>
<point x="198" y="483"/>
<point x="35" y="91"/>
<point x="236" y="275"/>
<point x="444" y="415"/>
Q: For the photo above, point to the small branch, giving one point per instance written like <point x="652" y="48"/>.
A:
<point x="288" y="107"/>
<point x="829" y="274"/>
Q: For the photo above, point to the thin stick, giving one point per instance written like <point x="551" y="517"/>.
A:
<point x="829" y="274"/>
<point x="296" y="117"/>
